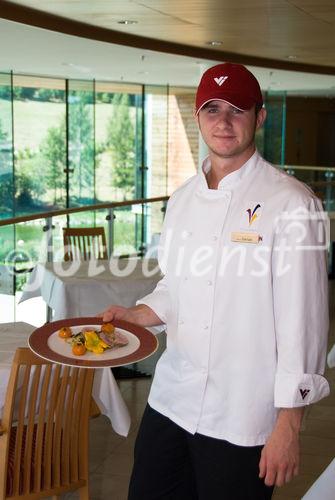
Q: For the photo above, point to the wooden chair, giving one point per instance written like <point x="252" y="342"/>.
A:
<point x="44" y="448"/>
<point x="84" y="243"/>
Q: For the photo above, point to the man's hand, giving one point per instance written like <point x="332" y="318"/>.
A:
<point x="141" y="315"/>
<point x="280" y="456"/>
<point x="117" y="312"/>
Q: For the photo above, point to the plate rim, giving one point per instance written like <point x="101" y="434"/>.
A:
<point x="148" y="343"/>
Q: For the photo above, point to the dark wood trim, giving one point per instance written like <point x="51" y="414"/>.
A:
<point x="40" y="19"/>
<point x="85" y="208"/>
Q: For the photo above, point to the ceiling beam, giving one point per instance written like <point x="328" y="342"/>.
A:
<point x="40" y="19"/>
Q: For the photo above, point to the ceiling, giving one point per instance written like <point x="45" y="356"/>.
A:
<point x="299" y="30"/>
<point x="292" y="32"/>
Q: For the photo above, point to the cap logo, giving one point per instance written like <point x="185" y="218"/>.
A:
<point x="220" y="81"/>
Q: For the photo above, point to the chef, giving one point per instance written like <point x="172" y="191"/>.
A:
<point x="244" y="303"/>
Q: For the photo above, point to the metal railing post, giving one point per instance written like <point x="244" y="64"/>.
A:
<point x="110" y="218"/>
<point x="329" y="175"/>
<point x="49" y="241"/>
<point x="48" y="229"/>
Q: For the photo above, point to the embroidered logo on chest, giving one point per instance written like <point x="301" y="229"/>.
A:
<point x="253" y="213"/>
<point x="250" y="216"/>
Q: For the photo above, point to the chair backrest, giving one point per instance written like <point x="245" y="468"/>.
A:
<point x="84" y="243"/>
<point x="44" y="441"/>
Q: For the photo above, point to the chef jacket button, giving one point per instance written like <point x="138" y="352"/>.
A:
<point x="181" y="321"/>
<point x="209" y="283"/>
<point x="206" y="327"/>
<point x="215" y="238"/>
<point x="185" y="278"/>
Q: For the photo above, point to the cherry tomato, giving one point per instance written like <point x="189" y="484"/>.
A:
<point x="65" y="332"/>
<point x="78" y="349"/>
<point x="107" y="328"/>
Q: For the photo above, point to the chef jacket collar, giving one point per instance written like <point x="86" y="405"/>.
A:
<point x="231" y="179"/>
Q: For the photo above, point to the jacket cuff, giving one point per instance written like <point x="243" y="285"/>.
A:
<point x="295" y="389"/>
<point x="156" y="302"/>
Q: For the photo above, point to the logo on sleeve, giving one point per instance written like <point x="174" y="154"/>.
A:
<point x="252" y="214"/>
<point x="304" y="392"/>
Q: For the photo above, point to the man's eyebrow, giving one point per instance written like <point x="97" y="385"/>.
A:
<point x="211" y="105"/>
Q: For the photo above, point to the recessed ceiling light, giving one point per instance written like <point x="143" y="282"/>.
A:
<point x="214" y="43"/>
<point x="127" y="21"/>
<point x="291" y="57"/>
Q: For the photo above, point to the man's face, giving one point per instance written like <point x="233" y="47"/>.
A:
<point x="227" y="131"/>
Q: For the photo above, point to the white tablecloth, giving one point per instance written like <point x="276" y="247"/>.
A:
<point x="105" y="390"/>
<point x="331" y="359"/>
<point x="77" y="289"/>
<point x="324" y="486"/>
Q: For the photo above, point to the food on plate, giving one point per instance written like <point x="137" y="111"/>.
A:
<point x="114" y="339"/>
<point x="78" y="344"/>
<point x="78" y="349"/>
<point x="107" y="328"/>
<point x="93" y="340"/>
<point x="65" y="332"/>
<point x="94" y="343"/>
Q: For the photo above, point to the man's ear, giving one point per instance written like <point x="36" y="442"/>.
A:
<point x="260" y="118"/>
<point x="196" y="117"/>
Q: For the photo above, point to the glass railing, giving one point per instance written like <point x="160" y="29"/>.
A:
<point x="130" y="229"/>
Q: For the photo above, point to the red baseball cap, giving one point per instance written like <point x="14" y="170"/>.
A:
<point x="232" y="83"/>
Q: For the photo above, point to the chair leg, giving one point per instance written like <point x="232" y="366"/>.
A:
<point x="83" y="493"/>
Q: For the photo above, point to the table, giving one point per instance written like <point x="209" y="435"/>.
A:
<point x="331" y="357"/>
<point x="85" y="288"/>
<point x="105" y="390"/>
<point x="324" y="486"/>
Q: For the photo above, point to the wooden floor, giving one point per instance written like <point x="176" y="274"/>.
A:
<point x="111" y="455"/>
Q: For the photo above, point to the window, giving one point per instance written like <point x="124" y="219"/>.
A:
<point x="118" y="119"/>
<point x="81" y="164"/>
<point x="39" y="144"/>
<point x="6" y="148"/>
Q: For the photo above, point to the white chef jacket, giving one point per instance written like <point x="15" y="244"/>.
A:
<point x="244" y="301"/>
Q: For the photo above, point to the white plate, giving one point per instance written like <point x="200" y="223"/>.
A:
<point x="46" y="343"/>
